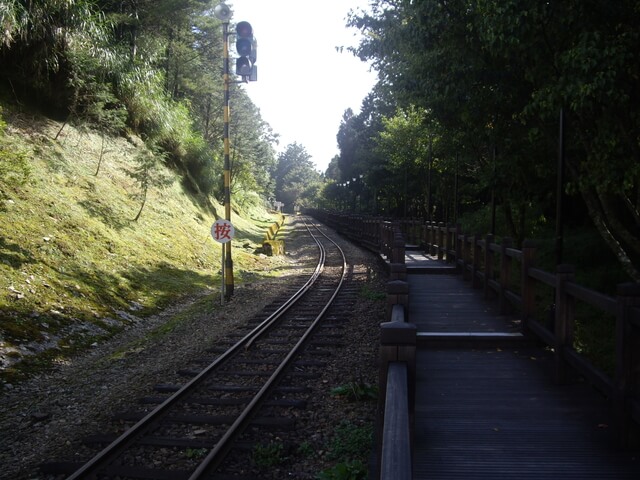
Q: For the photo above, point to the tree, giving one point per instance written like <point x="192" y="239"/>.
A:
<point x="297" y="181"/>
<point x="253" y="159"/>
<point x="495" y="73"/>
<point x="407" y="142"/>
<point x="147" y="173"/>
<point x="39" y="39"/>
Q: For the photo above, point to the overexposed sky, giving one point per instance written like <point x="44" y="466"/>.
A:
<point x="304" y="85"/>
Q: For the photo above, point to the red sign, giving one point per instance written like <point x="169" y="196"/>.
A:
<point x="222" y="230"/>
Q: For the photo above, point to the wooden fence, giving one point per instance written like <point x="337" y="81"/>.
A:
<point x="511" y="275"/>
<point x="397" y="365"/>
<point x="546" y="301"/>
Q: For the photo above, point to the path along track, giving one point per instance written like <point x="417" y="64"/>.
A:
<point x="187" y="432"/>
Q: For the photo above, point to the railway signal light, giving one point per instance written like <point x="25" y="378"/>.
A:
<point x="246" y="47"/>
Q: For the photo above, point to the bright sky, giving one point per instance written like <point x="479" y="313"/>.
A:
<point x="304" y="85"/>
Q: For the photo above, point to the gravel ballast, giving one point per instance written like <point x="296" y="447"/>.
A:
<point x="43" y="419"/>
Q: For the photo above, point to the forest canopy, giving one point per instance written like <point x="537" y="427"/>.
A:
<point x="151" y="67"/>
<point x="466" y="115"/>
<point x="464" y="124"/>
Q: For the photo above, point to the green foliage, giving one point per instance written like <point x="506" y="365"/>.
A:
<point x="351" y="441"/>
<point x="40" y="41"/>
<point x="356" y="391"/>
<point x="196" y="453"/>
<point x="407" y="140"/>
<point x="14" y="18"/>
<point x="350" y="470"/>
<point x="494" y="76"/>
<point x="405" y="137"/>
<point x="202" y="165"/>
<point x="151" y="68"/>
<point x="268" y="455"/>
<point x="297" y="182"/>
<point x="371" y="294"/>
<point x="351" y="446"/>
<point x="14" y="166"/>
<point x="75" y="267"/>
<point x="305" y="449"/>
<point x="148" y="173"/>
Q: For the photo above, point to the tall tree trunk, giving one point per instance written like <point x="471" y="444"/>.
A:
<point x="598" y="218"/>
<point x="508" y="216"/>
<point x="522" y="224"/>
<point x="61" y="128"/>
<point x="144" y="200"/>
<point x="207" y="117"/>
<point x="133" y="44"/>
<point x="101" y="156"/>
<point x="620" y="231"/>
<point x="633" y="209"/>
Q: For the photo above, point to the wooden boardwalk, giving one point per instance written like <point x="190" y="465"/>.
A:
<point x="486" y="404"/>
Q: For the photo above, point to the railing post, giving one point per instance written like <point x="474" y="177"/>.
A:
<point x="488" y="265"/>
<point x="447" y="243"/>
<point x="465" y="254"/>
<point x="397" y="345"/>
<point x="460" y="249"/>
<point x="433" y="230"/>
<point x="477" y="251"/>
<point x="398" y="271"/>
<point x="380" y="235"/>
<point x="452" y="249"/>
<point x="441" y="246"/>
<point x="564" y="321"/>
<point x="398" y="248"/>
<point x="386" y="239"/>
<point x="627" y="375"/>
<point x="528" y="284"/>
<point x="505" y="275"/>
<point x="397" y="294"/>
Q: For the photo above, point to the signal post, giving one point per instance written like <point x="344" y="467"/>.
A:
<point x="245" y="67"/>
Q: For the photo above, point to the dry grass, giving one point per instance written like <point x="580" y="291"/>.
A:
<point x="75" y="267"/>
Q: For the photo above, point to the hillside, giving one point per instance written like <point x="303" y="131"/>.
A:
<point x="74" y="265"/>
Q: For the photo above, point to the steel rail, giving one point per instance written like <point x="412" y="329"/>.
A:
<point x="265" y="326"/>
<point x="217" y="454"/>
<point x="130" y="435"/>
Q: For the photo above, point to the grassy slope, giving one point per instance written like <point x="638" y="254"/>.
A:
<point x="72" y="260"/>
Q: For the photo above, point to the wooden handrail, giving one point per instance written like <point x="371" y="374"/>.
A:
<point x="397" y="378"/>
<point x="395" y="457"/>
<point x="491" y="266"/>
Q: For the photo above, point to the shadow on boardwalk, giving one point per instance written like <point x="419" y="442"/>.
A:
<point x="490" y="409"/>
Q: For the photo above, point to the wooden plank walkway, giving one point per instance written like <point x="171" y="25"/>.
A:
<point x="487" y="408"/>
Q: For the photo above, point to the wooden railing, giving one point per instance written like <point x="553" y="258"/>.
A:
<point x="511" y="276"/>
<point x="397" y="367"/>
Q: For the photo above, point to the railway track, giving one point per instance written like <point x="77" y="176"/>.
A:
<point x="207" y="426"/>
